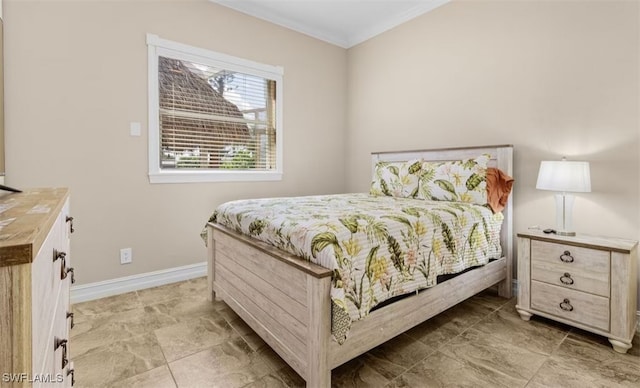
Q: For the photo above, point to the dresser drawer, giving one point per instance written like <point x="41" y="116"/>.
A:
<point x="45" y="283"/>
<point x="61" y="337"/>
<point x="578" y="268"/>
<point x="581" y="307"/>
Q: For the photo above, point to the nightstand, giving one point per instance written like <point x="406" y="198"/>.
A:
<point x="584" y="281"/>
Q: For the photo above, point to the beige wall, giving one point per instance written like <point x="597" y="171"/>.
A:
<point x="551" y="78"/>
<point x="76" y="76"/>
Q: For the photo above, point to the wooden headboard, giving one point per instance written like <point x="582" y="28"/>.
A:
<point x="501" y="157"/>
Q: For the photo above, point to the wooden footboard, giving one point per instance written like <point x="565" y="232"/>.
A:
<point x="285" y="300"/>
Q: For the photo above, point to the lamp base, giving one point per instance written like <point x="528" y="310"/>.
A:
<point x="564" y="214"/>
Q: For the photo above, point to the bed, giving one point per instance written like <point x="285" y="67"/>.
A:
<point x="288" y="300"/>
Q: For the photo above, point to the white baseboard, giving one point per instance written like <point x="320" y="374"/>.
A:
<point x="97" y="290"/>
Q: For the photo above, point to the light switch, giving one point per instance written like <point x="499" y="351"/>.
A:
<point x="135" y="129"/>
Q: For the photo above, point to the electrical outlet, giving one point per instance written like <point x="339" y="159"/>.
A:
<point x="126" y="256"/>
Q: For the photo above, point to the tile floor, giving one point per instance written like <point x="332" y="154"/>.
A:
<point x="171" y="336"/>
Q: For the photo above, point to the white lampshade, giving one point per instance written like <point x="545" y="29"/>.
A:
<point x="564" y="176"/>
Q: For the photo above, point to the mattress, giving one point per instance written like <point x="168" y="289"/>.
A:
<point x="377" y="247"/>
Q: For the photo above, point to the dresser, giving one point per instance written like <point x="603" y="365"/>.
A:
<point x="35" y="279"/>
<point x="585" y="281"/>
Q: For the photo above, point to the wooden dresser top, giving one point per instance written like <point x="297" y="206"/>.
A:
<point x="25" y="221"/>
<point x="584" y="240"/>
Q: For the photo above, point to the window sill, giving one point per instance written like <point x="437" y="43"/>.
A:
<point x="213" y="176"/>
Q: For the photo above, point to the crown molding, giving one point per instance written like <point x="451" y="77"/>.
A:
<point x="337" y="39"/>
<point x="394" y="21"/>
<point x="253" y="9"/>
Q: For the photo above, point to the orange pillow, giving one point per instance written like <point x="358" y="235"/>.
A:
<point x="499" y="187"/>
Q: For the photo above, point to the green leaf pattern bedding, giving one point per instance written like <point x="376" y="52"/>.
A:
<point x="377" y="247"/>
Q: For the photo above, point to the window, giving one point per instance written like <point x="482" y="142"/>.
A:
<point x="212" y="117"/>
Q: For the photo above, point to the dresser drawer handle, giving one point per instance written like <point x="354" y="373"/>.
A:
<point x="58" y="255"/>
<point x="73" y="277"/>
<point x="72" y="371"/>
<point x="70" y="221"/>
<point x="62" y="343"/>
<point x="566" y="305"/>
<point x="64" y="271"/>
<point x="70" y="315"/>
<point x="63" y="267"/>
<point x="566" y="279"/>
<point x="566" y="257"/>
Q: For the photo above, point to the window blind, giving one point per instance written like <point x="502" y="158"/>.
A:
<point x="214" y="118"/>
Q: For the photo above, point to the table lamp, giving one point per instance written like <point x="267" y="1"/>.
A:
<point x="564" y="177"/>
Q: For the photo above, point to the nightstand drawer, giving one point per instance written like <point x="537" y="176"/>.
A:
<point x="572" y="277"/>
<point x="569" y="256"/>
<point x="550" y="261"/>
<point x="588" y="309"/>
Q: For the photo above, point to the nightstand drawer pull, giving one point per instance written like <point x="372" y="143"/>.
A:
<point x="566" y="305"/>
<point x="566" y="257"/>
<point x="566" y="279"/>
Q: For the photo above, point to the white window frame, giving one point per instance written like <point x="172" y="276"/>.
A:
<point x="162" y="47"/>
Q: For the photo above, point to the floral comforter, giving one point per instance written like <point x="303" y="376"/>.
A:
<point x="377" y="247"/>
